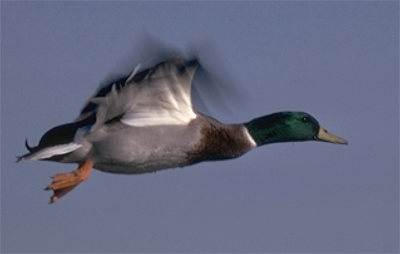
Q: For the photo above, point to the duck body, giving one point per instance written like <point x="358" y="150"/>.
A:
<point x="155" y="148"/>
<point x="146" y="122"/>
<point x="119" y="148"/>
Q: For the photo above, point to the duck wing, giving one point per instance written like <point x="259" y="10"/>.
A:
<point x="160" y="95"/>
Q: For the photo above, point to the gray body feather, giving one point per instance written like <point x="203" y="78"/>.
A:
<point x="119" y="148"/>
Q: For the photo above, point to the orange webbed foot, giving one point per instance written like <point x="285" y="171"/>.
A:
<point x="65" y="182"/>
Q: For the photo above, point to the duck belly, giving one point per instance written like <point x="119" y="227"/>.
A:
<point x="138" y="162"/>
<point x="142" y="150"/>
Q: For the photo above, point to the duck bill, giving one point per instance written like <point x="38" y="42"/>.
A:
<point x="324" y="135"/>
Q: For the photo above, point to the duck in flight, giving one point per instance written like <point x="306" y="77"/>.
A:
<point x="146" y="122"/>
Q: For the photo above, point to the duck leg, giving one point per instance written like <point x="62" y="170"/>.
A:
<point x="65" y="182"/>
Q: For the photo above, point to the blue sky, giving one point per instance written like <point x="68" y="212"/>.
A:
<point x="338" y="61"/>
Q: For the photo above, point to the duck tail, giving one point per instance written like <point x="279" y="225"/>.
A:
<point x="30" y="149"/>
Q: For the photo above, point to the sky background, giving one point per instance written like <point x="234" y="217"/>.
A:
<point x="338" y="61"/>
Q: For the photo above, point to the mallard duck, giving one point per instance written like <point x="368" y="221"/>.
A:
<point x="146" y="122"/>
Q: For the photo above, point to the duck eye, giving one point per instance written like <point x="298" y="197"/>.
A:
<point x="305" y="119"/>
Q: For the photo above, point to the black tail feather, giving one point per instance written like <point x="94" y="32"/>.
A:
<point x="30" y="149"/>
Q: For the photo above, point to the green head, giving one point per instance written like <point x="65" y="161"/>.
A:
<point x="289" y="127"/>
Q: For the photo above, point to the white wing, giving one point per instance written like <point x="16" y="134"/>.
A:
<point x="157" y="96"/>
